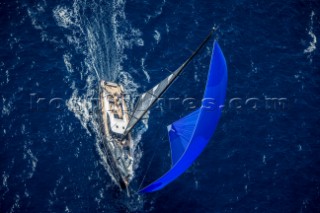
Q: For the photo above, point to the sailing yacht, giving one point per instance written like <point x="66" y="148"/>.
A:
<point x="117" y="147"/>
<point x="188" y="136"/>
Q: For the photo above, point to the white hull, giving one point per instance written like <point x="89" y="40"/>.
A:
<point x="114" y="117"/>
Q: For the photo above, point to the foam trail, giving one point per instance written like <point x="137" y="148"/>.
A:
<point x="103" y="38"/>
<point x="312" y="44"/>
<point x="144" y="69"/>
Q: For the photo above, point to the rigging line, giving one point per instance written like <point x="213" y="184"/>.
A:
<point x="154" y="152"/>
<point x="142" y="181"/>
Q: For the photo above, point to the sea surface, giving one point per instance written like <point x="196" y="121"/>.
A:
<point x="264" y="155"/>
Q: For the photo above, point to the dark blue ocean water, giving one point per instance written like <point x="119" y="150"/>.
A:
<point x="264" y="156"/>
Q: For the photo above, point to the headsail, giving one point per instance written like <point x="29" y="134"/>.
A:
<point x="186" y="146"/>
<point x="147" y="99"/>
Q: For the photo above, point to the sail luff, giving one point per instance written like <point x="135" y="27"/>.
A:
<point x="147" y="99"/>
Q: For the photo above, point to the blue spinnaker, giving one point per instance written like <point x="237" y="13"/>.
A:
<point x="180" y="133"/>
<point x="189" y="135"/>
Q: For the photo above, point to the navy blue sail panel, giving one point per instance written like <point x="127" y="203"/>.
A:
<point x="205" y="125"/>
<point x="180" y="133"/>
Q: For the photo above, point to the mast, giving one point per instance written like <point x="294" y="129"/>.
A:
<point x="147" y="99"/>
